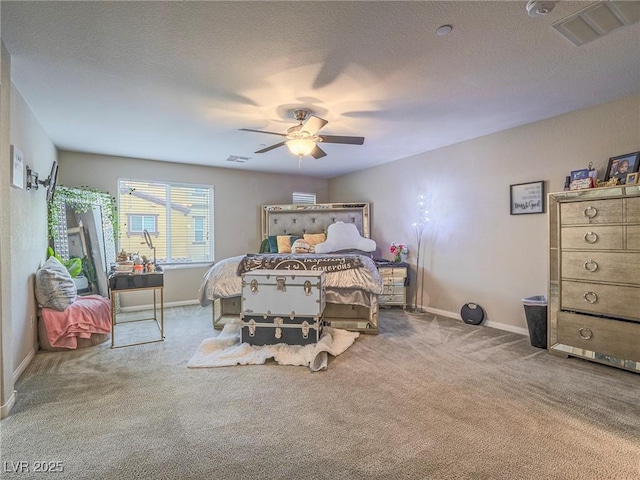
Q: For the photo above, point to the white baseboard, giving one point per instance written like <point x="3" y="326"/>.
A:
<point x="488" y="323"/>
<point x="443" y="313"/>
<point x="6" y="408"/>
<point x="507" y="328"/>
<point x="23" y="365"/>
<point x="181" y="303"/>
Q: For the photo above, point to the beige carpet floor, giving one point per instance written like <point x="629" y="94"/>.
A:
<point x="427" y="398"/>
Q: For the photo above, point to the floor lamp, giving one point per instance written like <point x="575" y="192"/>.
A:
<point x="419" y="228"/>
<point x="418" y="231"/>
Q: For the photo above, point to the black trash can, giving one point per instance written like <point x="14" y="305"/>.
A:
<point x="535" y="309"/>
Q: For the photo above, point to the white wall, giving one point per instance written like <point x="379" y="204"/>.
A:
<point x="7" y="397"/>
<point x="23" y="239"/>
<point x="237" y="195"/>
<point x="28" y="227"/>
<point x="473" y="249"/>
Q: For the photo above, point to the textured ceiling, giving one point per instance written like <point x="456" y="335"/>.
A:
<point x="175" y="81"/>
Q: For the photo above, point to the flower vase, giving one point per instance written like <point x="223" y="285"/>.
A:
<point x="397" y="258"/>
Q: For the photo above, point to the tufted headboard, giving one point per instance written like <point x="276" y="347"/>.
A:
<point x="301" y="218"/>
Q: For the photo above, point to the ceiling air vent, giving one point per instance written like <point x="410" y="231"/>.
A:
<point x="237" y="159"/>
<point x="598" y="20"/>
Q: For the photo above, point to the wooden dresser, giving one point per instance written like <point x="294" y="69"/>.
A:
<point x="594" y="287"/>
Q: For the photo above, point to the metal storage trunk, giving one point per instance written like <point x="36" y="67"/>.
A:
<point x="269" y="330"/>
<point x="284" y="293"/>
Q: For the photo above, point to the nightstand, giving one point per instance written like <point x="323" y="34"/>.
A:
<point x="395" y="278"/>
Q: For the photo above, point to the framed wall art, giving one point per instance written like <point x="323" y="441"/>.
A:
<point x="621" y="165"/>
<point x="17" y="167"/>
<point x="527" y="198"/>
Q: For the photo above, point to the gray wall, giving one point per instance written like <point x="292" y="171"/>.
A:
<point x="237" y="195"/>
<point x="473" y="249"/>
<point x="6" y="355"/>
<point x="24" y="234"/>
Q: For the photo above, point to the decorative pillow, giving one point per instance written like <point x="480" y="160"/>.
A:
<point x="54" y="286"/>
<point x="314" y="238"/>
<point x="264" y="246"/>
<point x="284" y="243"/>
<point x="300" y="246"/>
<point x="273" y="243"/>
<point x="343" y="236"/>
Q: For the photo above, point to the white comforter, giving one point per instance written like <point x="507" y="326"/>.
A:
<point x="222" y="280"/>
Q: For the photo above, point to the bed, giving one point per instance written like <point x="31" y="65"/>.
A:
<point x="351" y="293"/>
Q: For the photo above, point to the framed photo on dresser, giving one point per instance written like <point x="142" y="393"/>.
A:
<point x="621" y="165"/>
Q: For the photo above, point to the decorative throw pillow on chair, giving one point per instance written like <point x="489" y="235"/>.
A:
<point x="54" y="286"/>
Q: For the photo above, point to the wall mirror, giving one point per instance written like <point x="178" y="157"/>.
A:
<point x="83" y="224"/>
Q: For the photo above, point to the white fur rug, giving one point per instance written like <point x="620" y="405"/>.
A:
<point x="226" y="350"/>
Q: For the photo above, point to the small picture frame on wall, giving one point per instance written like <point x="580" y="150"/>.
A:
<point x="621" y="165"/>
<point x="17" y="167"/>
<point x="527" y="198"/>
<point x="632" y="178"/>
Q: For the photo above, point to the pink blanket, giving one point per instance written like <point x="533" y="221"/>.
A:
<point x="85" y="316"/>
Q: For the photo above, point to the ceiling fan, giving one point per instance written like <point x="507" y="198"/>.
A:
<point x="303" y="139"/>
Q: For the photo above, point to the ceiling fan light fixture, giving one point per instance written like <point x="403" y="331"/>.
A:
<point x="300" y="146"/>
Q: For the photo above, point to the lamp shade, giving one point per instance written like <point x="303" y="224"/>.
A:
<point x="301" y="146"/>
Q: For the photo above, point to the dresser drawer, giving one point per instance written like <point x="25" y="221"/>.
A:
<point x="393" y="281"/>
<point x="393" y="272"/>
<point x="613" y="337"/>
<point x="619" y="267"/>
<point x="612" y="300"/>
<point x="633" y="209"/>
<point x="592" y="237"/>
<point x="592" y="212"/>
<point x="396" y="299"/>
<point x="393" y="289"/>
<point x="633" y="237"/>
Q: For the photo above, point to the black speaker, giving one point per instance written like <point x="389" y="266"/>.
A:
<point x="472" y="313"/>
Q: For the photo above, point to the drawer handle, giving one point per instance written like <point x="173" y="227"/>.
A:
<point x="590" y="297"/>
<point x="591" y="237"/>
<point x="590" y="265"/>
<point x="586" y="333"/>
<point x="590" y="211"/>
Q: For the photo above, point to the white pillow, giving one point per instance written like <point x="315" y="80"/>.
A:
<point x="300" y="246"/>
<point x="54" y="286"/>
<point x="345" y="236"/>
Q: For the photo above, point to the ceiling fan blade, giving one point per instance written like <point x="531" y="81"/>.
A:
<point x="341" y="139"/>
<point x="266" y="149"/>
<point x="262" y="131"/>
<point x="313" y="124"/>
<point x="317" y="152"/>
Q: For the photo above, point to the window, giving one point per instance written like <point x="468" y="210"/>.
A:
<point x="198" y="229"/>
<point x="302" y="197"/>
<point x="179" y="218"/>
<point x="138" y="223"/>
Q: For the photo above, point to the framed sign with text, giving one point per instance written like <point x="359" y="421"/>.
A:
<point x="527" y="198"/>
<point x="17" y="167"/>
